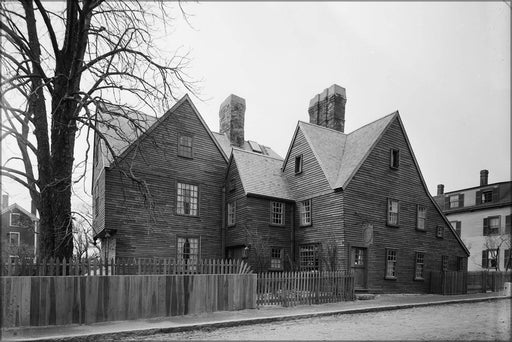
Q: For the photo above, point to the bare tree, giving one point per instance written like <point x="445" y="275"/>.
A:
<point x="493" y="244"/>
<point x="57" y="65"/>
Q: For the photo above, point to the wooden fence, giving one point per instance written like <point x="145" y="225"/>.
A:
<point x="292" y="288"/>
<point x="128" y="266"/>
<point x="448" y="282"/>
<point x="483" y="281"/>
<point x="42" y="301"/>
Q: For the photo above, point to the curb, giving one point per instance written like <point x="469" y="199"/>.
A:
<point x="249" y="321"/>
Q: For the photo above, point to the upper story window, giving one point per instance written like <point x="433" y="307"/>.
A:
<point x="421" y="217"/>
<point x="490" y="258"/>
<point x="394" y="161"/>
<point x="15" y="220"/>
<point x="393" y="212"/>
<point x="185" y="144"/>
<point x="187" y="199"/>
<point x="277" y="213"/>
<point x="298" y="164"/>
<point x="492" y="225"/>
<point x="487" y="196"/>
<point x="14" y="239"/>
<point x="231" y="214"/>
<point x="305" y="212"/>
<point x="457" y="225"/>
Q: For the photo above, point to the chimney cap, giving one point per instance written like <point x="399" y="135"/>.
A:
<point x="232" y="98"/>
<point x="484" y="172"/>
<point x="334" y="89"/>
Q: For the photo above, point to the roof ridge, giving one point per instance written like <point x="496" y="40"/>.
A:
<point x="374" y="121"/>
<point x="255" y="153"/>
<point x="322" y="127"/>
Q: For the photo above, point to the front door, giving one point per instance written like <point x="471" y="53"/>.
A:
<point x="358" y="266"/>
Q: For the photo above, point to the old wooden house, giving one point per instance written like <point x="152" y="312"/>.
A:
<point x="352" y="201"/>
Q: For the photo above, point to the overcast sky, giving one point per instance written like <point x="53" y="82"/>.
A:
<point x="444" y="66"/>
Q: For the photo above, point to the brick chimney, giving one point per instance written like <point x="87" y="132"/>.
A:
<point x="440" y="189"/>
<point x="232" y="117"/>
<point x="328" y="108"/>
<point x="484" y="177"/>
<point x="5" y="201"/>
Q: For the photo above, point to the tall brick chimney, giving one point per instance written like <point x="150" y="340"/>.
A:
<point x="484" y="177"/>
<point x="5" y="201"/>
<point x="440" y="189"/>
<point x="232" y="117"/>
<point x="328" y="108"/>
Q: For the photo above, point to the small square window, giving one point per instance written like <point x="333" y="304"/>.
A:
<point x="391" y="258"/>
<point x="298" y="164"/>
<point x="421" y="217"/>
<point x="394" y="158"/>
<point x="419" y="266"/>
<point x="185" y="144"/>
<point x="277" y="213"/>
<point x="15" y="220"/>
<point x="231" y="214"/>
<point x="393" y="212"/>
<point x="305" y="212"/>
<point x="440" y="232"/>
<point x="276" y="260"/>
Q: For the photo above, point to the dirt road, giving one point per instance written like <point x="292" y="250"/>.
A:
<point x="475" y="321"/>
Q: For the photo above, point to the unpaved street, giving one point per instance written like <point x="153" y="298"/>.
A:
<point x="477" y="321"/>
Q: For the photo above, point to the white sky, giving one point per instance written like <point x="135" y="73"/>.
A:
<point x="444" y="66"/>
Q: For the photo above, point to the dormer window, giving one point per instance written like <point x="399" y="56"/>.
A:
<point x="298" y="164"/>
<point x="394" y="162"/>
<point x="487" y="196"/>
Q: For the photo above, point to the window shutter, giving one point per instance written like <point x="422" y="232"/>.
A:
<point x="458" y="227"/>
<point x="461" y="200"/>
<point x="507" y="224"/>
<point x="479" y="197"/>
<point x="486" y="226"/>
<point x="447" y="202"/>
<point x="496" y="194"/>
<point x="484" y="259"/>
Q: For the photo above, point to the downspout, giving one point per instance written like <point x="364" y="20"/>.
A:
<point x="223" y="227"/>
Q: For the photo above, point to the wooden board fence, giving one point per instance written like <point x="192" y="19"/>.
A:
<point x="483" y="281"/>
<point x="42" y="301"/>
<point x="294" y="288"/>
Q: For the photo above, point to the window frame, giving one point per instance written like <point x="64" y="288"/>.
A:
<point x="309" y="257"/>
<point x="11" y="220"/>
<point x="421" y="219"/>
<point x="484" y="196"/>
<point x="273" y="213"/>
<point x="299" y="164"/>
<point x="394" y="158"/>
<point x="306" y="214"/>
<point x="197" y="198"/>
<point x="391" y="256"/>
<point x="440" y="231"/>
<point x="454" y="201"/>
<point x="419" y="266"/>
<point x="231" y="213"/>
<point x="388" y="213"/>
<point x="183" y="149"/>
<point x="280" y="257"/>
<point x="188" y="267"/>
<point x="19" y="239"/>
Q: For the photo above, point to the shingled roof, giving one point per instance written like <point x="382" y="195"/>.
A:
<point x="260" y="174"/>
<point x="224" y="142"/>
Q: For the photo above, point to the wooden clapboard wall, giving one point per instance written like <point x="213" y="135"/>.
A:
<point x="42" y="301"/>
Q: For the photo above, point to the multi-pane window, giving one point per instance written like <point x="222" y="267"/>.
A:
<point x="454" y="201"/>
<point x="188" y="252"/>
<point x="358" y="256"/>
<point x="492" y="225"/>
<point x="187" y="199"/>
<point x="305" y="213"/>
<point x="419" y="266"/>
<point x="14" y="239"/>
<point x="309" y="258"/>
<point x="185" y="143"/>
<point x="440" y="231"/>
<point x="490" y="258"/>
<point x="231" y="213"/>
<point x="421" y="217"/>
<point x="393" y="212"/>
<point x="487" y="196"/>
<point x="298" y="164"/>
<point x="276" y="259"/>
<point x="444" y="263"/>
<point x="394" y="158"/>
<point x="457" y="225"/>
<point x="277" y="213"/>
<point x="15" y="220"/>
<point x="391" y="258"/>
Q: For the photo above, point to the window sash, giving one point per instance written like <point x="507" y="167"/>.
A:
<point x="487" y="196"/>
<point x="276" y="258"/>
<point x="277" y="213"/>
<point x="391" y="259"/>
<point x="185" y="144"/>
<point x="419" y="266"/>
<point x="421" y="217"/>
<point x="187" y="199"/>
<point x="231" y="213"/>
<point x="308" y="257"/>
<point x="454" y="201"/>
<point x="187" y="252"/>
<point x="298" y="164"/>
<point x="394" y="161"/>
<point x="305" y="212"/>
<point x="393" y="212"/>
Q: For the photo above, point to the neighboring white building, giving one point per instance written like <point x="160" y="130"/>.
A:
<point x="481" y="216"/>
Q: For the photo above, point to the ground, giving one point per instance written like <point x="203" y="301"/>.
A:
<point x="473" y="321"/>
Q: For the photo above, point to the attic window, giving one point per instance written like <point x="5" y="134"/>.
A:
<point x="15" y="220"/>
<point x="185" y="144"/>
<point x="298" y="164"/>
<point x="255" y="146"/>
<point x="394" y="158"/>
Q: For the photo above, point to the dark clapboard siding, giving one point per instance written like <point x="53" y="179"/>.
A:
<point x="236" y="235"/>
<point x="145" y="233"/>
<point x="366" y="202"/>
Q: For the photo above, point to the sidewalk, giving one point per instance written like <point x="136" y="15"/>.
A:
<point x="119" y="329"/>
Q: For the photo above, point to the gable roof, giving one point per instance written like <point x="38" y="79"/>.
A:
<point x="15" y="205"/>
<point x="260" y="174"/>
<point x="340" y="155"/>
